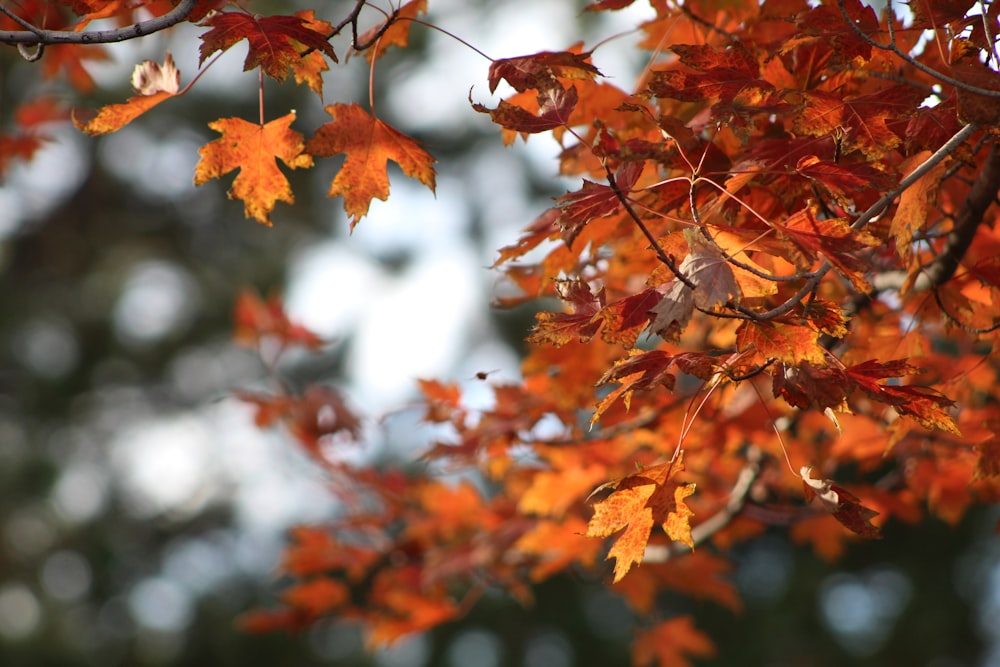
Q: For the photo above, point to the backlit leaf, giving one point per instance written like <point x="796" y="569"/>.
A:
<point x="254" y="150"/>
<point x="637" y="503"/>
<point x="369" y="144"/>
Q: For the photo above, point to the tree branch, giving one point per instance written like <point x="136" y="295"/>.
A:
<point x="38" y="36"/>
<point x="874" y="210"/>
<point x="982" y="194"/>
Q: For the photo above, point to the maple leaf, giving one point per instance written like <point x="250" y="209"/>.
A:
<point x="317" y="596"/>
<point x="670" y="642"/>
<point x="844" y="507"/>
<point x="369" y="144"/>
<point x="309" y="68"/>
<point x="965" y="65"/>
<point x="831" y="238"/>
<point x="624" y="318"/>
<point x="786" y="342"/>
<point x="153" y="82"/>
<point x="638" y="502"/>
<point x="254" y="150"/>
<point x="673" y="312"/>
<point x="401" y="607"/>
<point x="911" y="213"/>
<point x="539" y="70"/>
<point x="582" y="323"/>
<point x="594" y="200"/>
<point x="713" y="278"/>
<point x="924" y="404"/>
<point x="861" y="119"/>
<point x="274" y="42"/>
<point x="256" y="319"/>
<point x="397" y="34"/>
<point x="554" y="108"/>
<point x="723" y="74"/>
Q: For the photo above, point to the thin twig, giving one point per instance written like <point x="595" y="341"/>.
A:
<point x="892" y="48"/>
<point x="874" y="210"/>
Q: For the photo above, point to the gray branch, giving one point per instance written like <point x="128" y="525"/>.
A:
<point x="35" y="36"/>
<point x="938" y="272"/>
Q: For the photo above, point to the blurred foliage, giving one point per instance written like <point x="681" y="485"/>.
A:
<point x="73" y="374"/>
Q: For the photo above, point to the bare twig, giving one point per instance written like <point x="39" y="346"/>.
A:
<point x="39" y="36"/>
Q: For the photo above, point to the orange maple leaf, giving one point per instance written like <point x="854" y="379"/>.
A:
<point x="397" y="34"/>
<point x="254" y="149"/>
<point x="369" y="144"/>
<point x="153" y="82"/>
<point x="639" y="501"/>
<point x="668" y="643"/>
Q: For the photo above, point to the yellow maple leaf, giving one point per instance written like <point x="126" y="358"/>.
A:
<point x="638" y="502"/>
<point x="254" y="150"/>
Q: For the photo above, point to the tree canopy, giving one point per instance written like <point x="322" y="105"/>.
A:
<point x="766" y="305"/>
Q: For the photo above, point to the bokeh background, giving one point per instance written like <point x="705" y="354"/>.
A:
<point x="141" y="511"/>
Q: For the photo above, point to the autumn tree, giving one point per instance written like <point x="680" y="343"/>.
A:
<point x="767" y="303"/>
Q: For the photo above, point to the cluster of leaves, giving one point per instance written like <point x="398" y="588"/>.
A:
<point x="776" y="282"/>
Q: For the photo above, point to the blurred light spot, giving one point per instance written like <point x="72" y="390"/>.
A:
<point x="549" y="649"/>
<point x="66" y="576"/>
<point x="608" y="616"/>
<point x="158" y="167"/>
<point x="53" y="173"/>
<point x="114" y="622"/>
<point x="20" y="612"/>
<point x="28" y="533"/>
<point x="764" y="571"/>
<point x="159" y="299"/>
<point x="207" y="372"/>
<point x="411" y="651"/>
<point x="198" y="564"/>
<point x="165" y="466"/>
<point x="330" y="286"/>
<point x="862" y="610"/>
<point x="48" y="347"/>
<point x="157" y="603"/>
<point x="416" y="328"/>
<point x="336" y="641"/>
<point x="474" y="648"/>
<point x="81" y="492"/>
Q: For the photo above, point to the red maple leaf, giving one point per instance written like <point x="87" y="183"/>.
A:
<point x="540" y="70"/>
<point x="275" y="42"/>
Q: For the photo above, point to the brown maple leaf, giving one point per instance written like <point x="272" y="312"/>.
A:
<point x="844" y="506"/>
<point x="369" y="144"/>
<point x="254" y="150"/>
